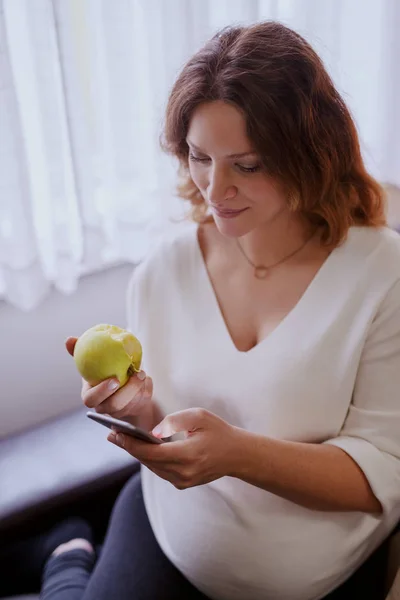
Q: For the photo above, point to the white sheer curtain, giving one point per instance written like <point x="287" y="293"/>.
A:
<point x="83" y="85"/>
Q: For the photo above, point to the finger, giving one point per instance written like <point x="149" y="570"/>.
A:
<point x="136" y="405"/>
<point x="167" y="455"/>
<point x="85" y="387"/>
<point x="93" y="396"/>
<point x="70" y="344"/>
<point x="167" y="474"/>
<point x="130" y="399"/>
<point x="188" y="420"/>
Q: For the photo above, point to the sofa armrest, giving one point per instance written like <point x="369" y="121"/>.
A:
<point x="55" y="463"/>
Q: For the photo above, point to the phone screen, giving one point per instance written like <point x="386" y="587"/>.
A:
<point x="124" y="427"/>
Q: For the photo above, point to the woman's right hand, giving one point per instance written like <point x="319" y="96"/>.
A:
<point x="129" y="401"/>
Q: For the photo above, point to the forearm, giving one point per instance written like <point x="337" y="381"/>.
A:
<point x="316" y="476"/>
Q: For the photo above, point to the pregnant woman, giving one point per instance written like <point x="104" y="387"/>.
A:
<point x="271" y="336"/>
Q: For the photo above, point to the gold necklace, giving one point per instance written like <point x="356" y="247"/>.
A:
<point x="261" y="271"/>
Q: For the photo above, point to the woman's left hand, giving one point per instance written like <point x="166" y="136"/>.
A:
<point x="207" y="453"/>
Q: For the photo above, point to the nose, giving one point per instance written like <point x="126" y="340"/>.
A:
<point x="220" y="186"/>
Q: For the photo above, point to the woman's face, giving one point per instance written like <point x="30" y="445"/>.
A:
<point x="227" y="171"/>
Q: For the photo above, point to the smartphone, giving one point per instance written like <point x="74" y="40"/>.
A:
<point x="124" y="427"/>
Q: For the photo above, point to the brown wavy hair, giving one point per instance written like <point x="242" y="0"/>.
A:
<point x="297" y="121"/>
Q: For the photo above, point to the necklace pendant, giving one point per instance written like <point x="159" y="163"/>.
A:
<point x="260" y="272"/>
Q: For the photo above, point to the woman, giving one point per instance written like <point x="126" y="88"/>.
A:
<point x="271" y="333"/>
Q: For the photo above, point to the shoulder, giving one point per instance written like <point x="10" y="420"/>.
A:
<point x="378" y="252"/>
<point x="379" y="249"/>
<point x="382" y="240"/>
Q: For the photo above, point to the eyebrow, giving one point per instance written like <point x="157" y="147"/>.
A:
<point x="238" y="155"/>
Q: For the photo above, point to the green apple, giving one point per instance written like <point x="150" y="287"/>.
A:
<point x="107" y="351"/>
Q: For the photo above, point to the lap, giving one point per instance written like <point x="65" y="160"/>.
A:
<point x="132" y="566"/>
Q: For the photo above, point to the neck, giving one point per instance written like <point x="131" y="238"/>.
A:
<point x="269" y="243"/>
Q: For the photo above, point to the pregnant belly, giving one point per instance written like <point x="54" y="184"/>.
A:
<point x="234" y="541"/>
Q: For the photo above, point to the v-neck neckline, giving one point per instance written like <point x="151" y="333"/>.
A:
<point x="318" y="282"/>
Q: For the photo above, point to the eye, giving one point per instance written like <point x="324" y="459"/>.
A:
<point x="244" y="169"/>
<point x="197" y="158"/>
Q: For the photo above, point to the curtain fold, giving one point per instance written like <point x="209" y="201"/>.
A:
<point x="83" y="87"/>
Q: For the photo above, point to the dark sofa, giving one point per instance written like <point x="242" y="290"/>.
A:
<point x="62" y="467"/>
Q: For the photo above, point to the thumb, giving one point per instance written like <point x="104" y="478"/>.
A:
<point x="70" y="344"/>
<point x="188" y="420"/>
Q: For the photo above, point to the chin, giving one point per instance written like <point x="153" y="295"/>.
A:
<point x="234" y="228"/>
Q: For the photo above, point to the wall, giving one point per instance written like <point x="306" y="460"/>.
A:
<point x="38" y="377"/>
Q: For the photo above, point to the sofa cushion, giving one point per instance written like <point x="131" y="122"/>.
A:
<point x="55" y="462"/>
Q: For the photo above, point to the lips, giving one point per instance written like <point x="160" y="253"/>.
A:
<point x="227" y="213"/>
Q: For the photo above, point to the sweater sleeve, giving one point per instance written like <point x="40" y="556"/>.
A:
<point x="136" y="300"/>
<point x="371" y="431"/>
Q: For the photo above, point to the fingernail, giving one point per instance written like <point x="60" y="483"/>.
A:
<point x="156" y="431"/>
<point x="141" y="375"/>
<point x="113" y="385"/>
